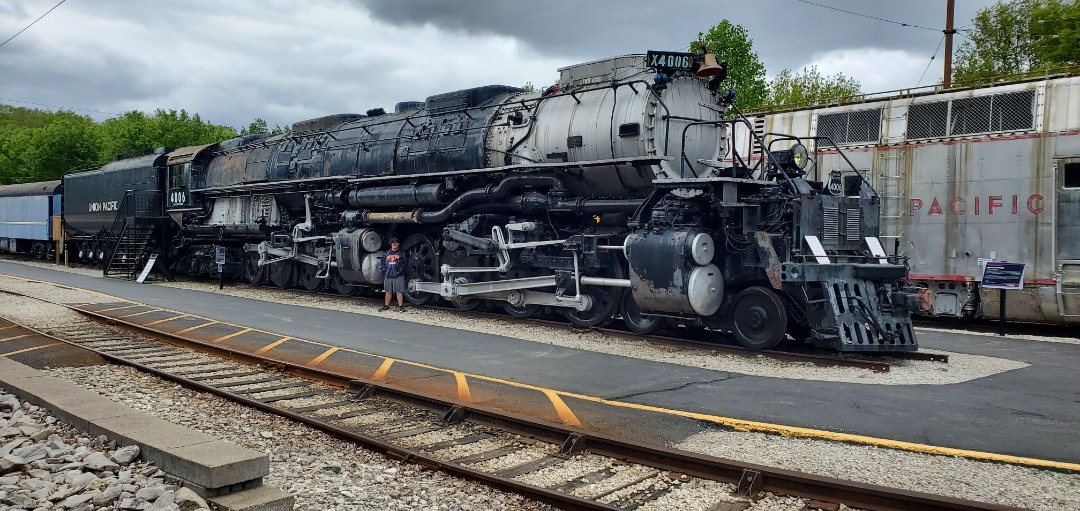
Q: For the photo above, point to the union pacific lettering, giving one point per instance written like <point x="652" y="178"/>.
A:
<point x="111" y="205"/>
<point x="989" y="205"/>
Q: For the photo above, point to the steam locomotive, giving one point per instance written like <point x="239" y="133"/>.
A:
<point x="615" y="193"/>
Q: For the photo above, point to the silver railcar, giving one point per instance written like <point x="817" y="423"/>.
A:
<point x="967" y="176"/>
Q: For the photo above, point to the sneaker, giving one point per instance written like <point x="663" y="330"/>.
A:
<point x="401" y="308"/>
<point x="384" y="308"/>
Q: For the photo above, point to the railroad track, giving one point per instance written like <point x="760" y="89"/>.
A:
<point x="510" y="451"/>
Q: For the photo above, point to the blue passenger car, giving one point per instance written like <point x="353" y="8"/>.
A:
<point x="26" y="212"/>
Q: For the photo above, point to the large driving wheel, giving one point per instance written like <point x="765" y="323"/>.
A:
<point x="423" y="265"/>
<point x="307" y="275"/>
<point x="631" y="315"/>
<point x="341" y="285"/>
<point x="283" y="274"/>
<point x="758" y="318"/>
<point x="606" y="300"/>
<point x="253" y="273"/>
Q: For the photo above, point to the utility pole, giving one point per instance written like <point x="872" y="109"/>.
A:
<point x="949" y="31"/>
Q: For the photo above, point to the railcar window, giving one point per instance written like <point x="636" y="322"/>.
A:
<point x="850" y="127"/>
<point x="1071" y="175"/>
<point x="927" y="120"/>
<point x="1009" y="111"/>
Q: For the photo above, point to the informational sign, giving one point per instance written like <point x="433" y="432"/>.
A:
<point x="998" y="275"/>
<point x="219" y="256"/>
<point x="146" y="269"/>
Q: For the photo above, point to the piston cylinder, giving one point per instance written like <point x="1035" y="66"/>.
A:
<point x="672" y="272"/>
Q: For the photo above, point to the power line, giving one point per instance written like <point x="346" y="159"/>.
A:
<point x="58" y="106"/>
<point x="32" y="23"/>
<point x="869" y="16"/>
<point x="932" y="57"/>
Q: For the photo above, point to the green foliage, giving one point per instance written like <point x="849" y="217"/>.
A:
<point x="259" y="125"/>
<point x="1019" y="37"/>
<point x="809" y="87"/>
<point x="746" y="73"/>
<point x="37" y="145"/>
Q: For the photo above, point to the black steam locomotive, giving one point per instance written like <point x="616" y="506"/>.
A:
<point x="619" y="192"/>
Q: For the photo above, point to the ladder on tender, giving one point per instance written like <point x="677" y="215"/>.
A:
<point x="129" y="254"/>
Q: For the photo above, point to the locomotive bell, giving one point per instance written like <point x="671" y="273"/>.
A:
<point x="709" y="67"/>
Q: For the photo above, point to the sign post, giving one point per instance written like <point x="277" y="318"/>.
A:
<point x="219" y="258"/>
<point x="1002" y="276"/>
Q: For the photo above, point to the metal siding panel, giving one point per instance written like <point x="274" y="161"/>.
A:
<point x="25" y="217"/>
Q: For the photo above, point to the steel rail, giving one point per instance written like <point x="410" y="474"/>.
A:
<point x="750" y="478"/>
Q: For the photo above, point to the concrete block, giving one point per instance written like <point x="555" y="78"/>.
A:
<point x="83" y="413"/>
<point x="51" y="392"/>
<point x="209" y="493"/>
<point x="157" y="445"/>
<point x="216" y="464"/>
<point x="123" y="428"/>
<point x="262" y="498"/>
<point x="12" y="370"/>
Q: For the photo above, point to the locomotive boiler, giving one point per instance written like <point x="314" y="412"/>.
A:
<point x="615" y="193"/>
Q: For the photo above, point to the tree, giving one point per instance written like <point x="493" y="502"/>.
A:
<point x="746" y="73"/>
<point x="809" y="87"/>
<point x="1019" y="37"/>
<point x="259" y="125"/>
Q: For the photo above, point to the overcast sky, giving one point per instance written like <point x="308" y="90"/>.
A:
<point x="287" y="60"/>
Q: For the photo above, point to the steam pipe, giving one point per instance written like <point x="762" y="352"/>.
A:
<point x="492" y="193"/>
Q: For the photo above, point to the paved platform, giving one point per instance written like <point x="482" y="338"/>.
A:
<point x="1032" y="412"/>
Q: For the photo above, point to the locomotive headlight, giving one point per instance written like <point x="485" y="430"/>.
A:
<point x="799" y="156"/>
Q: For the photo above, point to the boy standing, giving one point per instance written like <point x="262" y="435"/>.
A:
<point x="393" y="268"/>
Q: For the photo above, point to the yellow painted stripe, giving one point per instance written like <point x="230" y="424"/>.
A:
<point x="737" y="424"/>
<point x="565" y="414"/>
<point x="28" y="349"/>
<point x="463" y="392"/>
<point x="117" y="308"/>
<point x="7" y="327"/>
<point x="138" y="313"/>
<point x="317" y="360"/>
<point x="272" y="345"/>
<point x="196" y="327"/>
<point x="383" y="369"/>
<point x="168" y="319"/>
<point x="15" y="337"/>
<point x="230" y="336"/>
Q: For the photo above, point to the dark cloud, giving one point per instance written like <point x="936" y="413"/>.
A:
<point x="286" y="61"/>
<point x="785" y="32"/>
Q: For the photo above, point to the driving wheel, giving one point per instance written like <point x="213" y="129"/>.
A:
<point x="283" y="274"/>
<point x="253" y="273"/>
<point x="631" y="315"/>
<point x="341" y="285"/>
<point x="422" y="265"/>
<point x="307" y="275"/>
<point x="758" y="318"/>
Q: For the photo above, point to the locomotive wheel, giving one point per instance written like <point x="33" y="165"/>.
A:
<point x="605" y="301"/>
<point x="306" y="275"/>
<point x="341" y="286"/>
<point x="253" y="273"/>
<point x="631" y="315"/>
<point x="759" y="318"/>
<point x="283" y="274"/>
<point x="525" y="311"/>
<point x="423" y="265"/>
